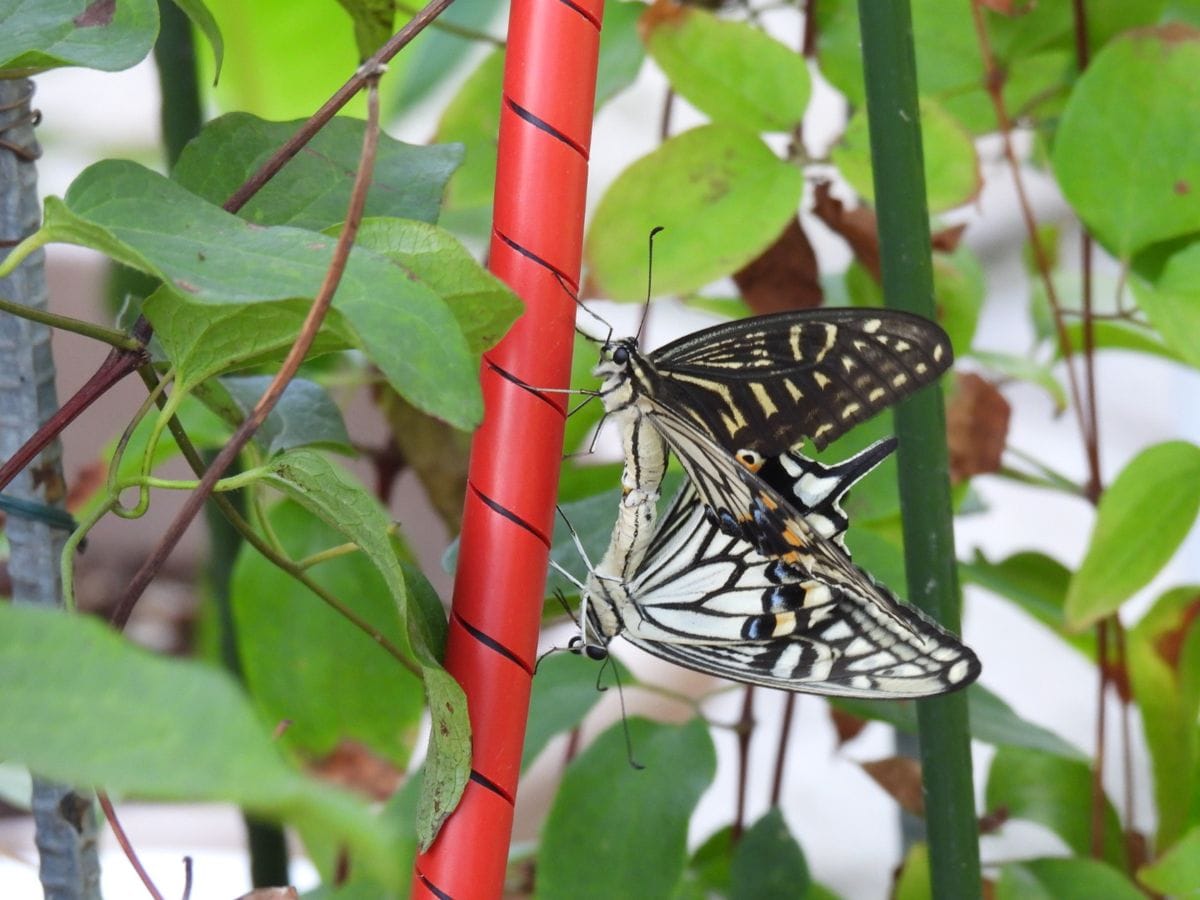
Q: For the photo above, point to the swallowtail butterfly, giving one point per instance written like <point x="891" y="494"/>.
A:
<point x="757" y="388"/>
<point x="713" y="601"/>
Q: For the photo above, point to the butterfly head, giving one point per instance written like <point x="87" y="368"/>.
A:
<point x="619" y="361"/>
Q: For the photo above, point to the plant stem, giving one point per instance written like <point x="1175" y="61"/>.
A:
<point x="110" y="336"/>
<point x="907" y="279"/>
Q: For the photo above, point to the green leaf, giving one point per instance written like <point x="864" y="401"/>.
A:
<point x="1164" y="670"/>
<point x="1125" y="154"/>
<point x="914" y="882"/>
<point x="203" y="340"/>
<point x="266" y="37"/>
<point x="139" y="715"/>
<point x="1142" y="519"/>
<point x="484" y="305"/>
<point x="313" y="189"/>
<point x="649" y="823"/>
<point x="472" y="118"/>
<point x="329" y="493"/>
<point x="299" y="656"/>
<point x="992" y="721"/>
<point x="952" y="175"/>
<point x="731" y="71"/>
<point x="1056" y="878"/>
<point x="154" y="225"/>
<point x="1037" y="584"/>
<point x="709" y="870"/>
<point x="36" y="35"/>
<point x="1025" y="368"/>
<point x="1172" y="303"/>
<point x="305" y="415"/>
<point x="1177" y="871"/>
<point x="565" y="689"/>
<point x="372" y="23"/>
<point x="1055" y="792"/>
<point x="722" y="196"/>
<point x="768" y="863"/>
<point x="202" y="18"/>
<point x="621" y="53"/>
<point x="1122" y="336"/>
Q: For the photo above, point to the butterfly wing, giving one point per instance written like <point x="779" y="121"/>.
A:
<point x="768" y="382"/>
<point x="756" y="594"/>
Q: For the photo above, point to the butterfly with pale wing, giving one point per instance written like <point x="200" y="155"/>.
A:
<point x="715" y="602"/>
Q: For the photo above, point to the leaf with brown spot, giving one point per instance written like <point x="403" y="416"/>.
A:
<point x="976" y="427"/>
<point x="97" y="14"/>
<point x="784" y="277"/>
<point x="900" y="776"/>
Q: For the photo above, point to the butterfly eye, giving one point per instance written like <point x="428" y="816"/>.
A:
<point x="596" y="652"/>
<point x="621" y="355"/>
<point x="575" y="644"/>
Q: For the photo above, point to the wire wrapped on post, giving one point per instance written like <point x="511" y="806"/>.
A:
<point x="541" y="183"/>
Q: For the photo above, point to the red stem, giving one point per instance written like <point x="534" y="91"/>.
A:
<point x="541" y="182"/>
<point x="745" y="731"/>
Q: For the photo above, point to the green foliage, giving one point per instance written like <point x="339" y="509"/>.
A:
<point x="414" y="305"/>
<point x="731" y="71"/>
<point x="40" y="36"/>
<point x="148" y="715"/>
<point x="720" y="193"/>
<point x="648" y="823"/>
<point x="313" y="189"/>
<point x="1143" y="517"/>
<point x="1125" y="155"/>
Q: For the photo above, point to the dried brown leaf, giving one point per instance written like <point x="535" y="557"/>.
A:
<point x="355" y="766"/>
<point x="784" y="277"/>
<point x="900" y="776"/>
<point x="976" y="426"/>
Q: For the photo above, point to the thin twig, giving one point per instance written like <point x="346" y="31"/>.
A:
<point x="187" y="878"/>
<point x="118" y="339"/>
<point x="745" y="730"/>
<point x="469" y="34"/>
<point x="994" y="81"/>
<point x="116" y="366"/>
<point x="1097" y="817"/>
<point x="126" y="847"/>
<point x="785" y="731"/>
<point x="308" y="333"/>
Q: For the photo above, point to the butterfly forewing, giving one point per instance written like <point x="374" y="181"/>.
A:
<point x="769" y="382"/>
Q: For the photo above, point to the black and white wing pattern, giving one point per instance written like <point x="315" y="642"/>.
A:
<point x="762" y="385"/>
<point x="710" y="601"/>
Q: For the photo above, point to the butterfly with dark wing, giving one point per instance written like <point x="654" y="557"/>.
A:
<point x="757" y="388"/>
<point x="711" y="601"/>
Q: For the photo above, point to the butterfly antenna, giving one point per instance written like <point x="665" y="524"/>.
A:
<point x="649" y="282"/>
<point x="562" y="282"/>
<point x="633" y="763"/>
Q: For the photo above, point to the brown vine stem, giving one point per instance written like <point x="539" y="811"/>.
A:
<point x="116" y="366"/>
<point x="121" y="362"/>
<point x="994" y="82"/>
<point x="744" y="731"/>
<point x="785" y="731"/>
<point x="1097" y="811"/>
<point x="291" y="364"/>
<point x="126" y="847"/>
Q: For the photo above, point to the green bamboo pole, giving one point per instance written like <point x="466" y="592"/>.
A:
<point x="907" y="269"/>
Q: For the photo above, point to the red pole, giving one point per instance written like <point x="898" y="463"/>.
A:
<point x="537" y="233"/>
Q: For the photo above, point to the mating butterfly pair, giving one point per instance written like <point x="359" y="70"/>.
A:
<point x="748" y="576"/>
